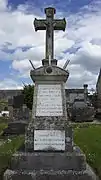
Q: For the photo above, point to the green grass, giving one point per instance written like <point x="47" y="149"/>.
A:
<point x="4" y="120"/>
<point x="83" y="125"/>
<point x="2" y="126"/>
<point x="6" y="151"/>
<point x="3" y="123"/>
<point x="89" y="140"/>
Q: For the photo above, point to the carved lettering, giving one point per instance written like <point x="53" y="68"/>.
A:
<point x="47" y="139"/>
<point x="49" y="100"/>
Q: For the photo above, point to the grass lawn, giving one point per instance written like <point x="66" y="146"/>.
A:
<point x="2" y="126"/>
<point x="4" y="120"/>
<point x="3" y="123"/>
<point x="89" y="140"/>
<point x="6" y="151"/>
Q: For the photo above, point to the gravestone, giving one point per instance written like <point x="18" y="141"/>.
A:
<point x="10" y="108"/>
<point x="50" y="153"/>
<point x="20" y="110"/>
<point x="15" y="107"/>
<point x="26" y="113"/>
<point x="19" y="116"/>
<point x="81" y="111"/>
<point x="18" y="102"/>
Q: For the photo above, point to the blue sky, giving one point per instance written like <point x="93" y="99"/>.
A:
<point x="81" y="42"/>
<point x="65" y="5"/>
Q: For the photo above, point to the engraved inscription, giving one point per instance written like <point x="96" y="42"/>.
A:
<point x="49" y="100"/>
<point x="49" y="139"/>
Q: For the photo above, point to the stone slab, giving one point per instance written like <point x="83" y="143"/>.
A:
<point x="87" y="174"/>
<point x="15" y="128"/>
<point x="49" y="160"/>
<point x="49" y="139"/>
<point x="29" y="138"/>
<point x="49" y="100"/>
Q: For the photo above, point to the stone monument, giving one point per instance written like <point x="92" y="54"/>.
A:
<point x="19" y="116"/>
<point x="10" y="108"/>
<point x="49" y="150"/>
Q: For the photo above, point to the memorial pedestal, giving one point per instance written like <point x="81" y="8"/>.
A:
<point x="50" y="154"/>
<point x="49" y="161"/>
<point x="49" y="110"/>
<point x="50" y="166"/>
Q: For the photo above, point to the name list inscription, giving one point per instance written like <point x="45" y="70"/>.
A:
<point x="49" y="100"/>
<point x="49" y="139"/>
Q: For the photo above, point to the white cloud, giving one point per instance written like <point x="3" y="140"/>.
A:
<point x="88" y="56"/>
<point x="9" y="84"/>
<point x="21" y="65"/>
<point x="3" y="5"/>
<point x="91" y="49"/>
<point x="62" y="44"/>
<point x="83" y="31"/>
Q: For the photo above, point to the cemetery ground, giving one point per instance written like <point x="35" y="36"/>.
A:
<point x="86" y="135"/>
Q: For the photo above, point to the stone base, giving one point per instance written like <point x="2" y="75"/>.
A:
<point x="87" y="174"/>
<point x="49" y="166"/>
<point x="45" y="62"/>
<point x="49" y="160"/>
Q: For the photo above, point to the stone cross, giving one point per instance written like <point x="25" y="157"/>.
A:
<point x="49" y="24"/>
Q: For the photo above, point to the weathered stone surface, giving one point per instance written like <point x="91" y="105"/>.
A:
<point x="18" y="101"/>
<point x="49" y="160"/>
<point x="50" y="24"/>
<point x="87" y="174"/>
<point x="17" y="175"/>
<point x="41" y="77"/>
<point x="29" y="138"/>
<point x="15" y="128"/>
<point x="80" y="111"/>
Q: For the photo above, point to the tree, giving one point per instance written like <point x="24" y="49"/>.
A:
<point x="5" y="108"/>
<point x="28" y="95"/>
